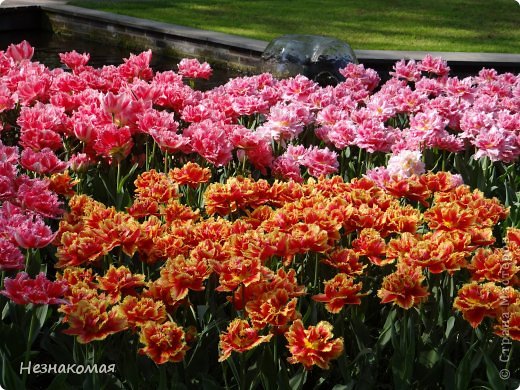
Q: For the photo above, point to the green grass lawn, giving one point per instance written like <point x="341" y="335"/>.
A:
<point x="433" y="25"/>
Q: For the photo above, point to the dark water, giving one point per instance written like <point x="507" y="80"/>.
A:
<point x="47" y="47"/>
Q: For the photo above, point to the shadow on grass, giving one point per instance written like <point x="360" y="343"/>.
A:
<point x="414" y="25"/>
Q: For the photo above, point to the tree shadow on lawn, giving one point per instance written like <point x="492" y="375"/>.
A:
<point x="476" y="26"/>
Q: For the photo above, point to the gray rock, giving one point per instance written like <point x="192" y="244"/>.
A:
<point x="316" y="57"/>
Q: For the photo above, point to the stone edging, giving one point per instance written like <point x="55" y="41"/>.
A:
<point x="163" y="38"/>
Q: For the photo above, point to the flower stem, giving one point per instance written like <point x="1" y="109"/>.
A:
<point x="166" y="162"/>
<point x="119" y="187"/>
<point x="242" y="370"/>
<point x="27" y="260"/>
<point x="315" y="284"/>
<point x="147" y="145"/>
<point x="118" y="177"/>
<point x="92" y="361"/>
<point x="359" y="164"/>
<point x="29" y="344"/>
<point x="152" y="156"/>
<point x="301" y="381"/>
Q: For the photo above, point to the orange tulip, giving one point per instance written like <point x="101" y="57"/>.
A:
<point x="139" y="311"/>
<point x="340" y="291"/>
<point x="403" y="287"/>
<point x="239" y="337"/>
<point x="190" y="174"/>
<point x="91" y="320"/>
<point x="477" y="301"/>
<point x="314" y="345"/>
<point x="163" y="342"/>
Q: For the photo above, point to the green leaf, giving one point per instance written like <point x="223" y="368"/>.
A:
<point x="126" y="177"/>
<point x="5" y="311"/>
<point x="35" y="262"/>
<point x="56" y="345"/>
<point x="108" y="191"/>
<point x="162" y="378"/>
<point x="233" y="367"/>
<point x="9" y="378"/>
<point x="41" y="314"/>
<point x="58" y="383"/>
<point x="208" y="383"/>
<point x="449" y="326"/>
<point x="282" y="378"/>
<point x="429" y="358"/>
<point x="386" y="333"/>
<point x="465" y="370"/>
<point x="297" y="381"/>
<point x="492" y="374"/>
<point x="268" y="369"/>
<point x="403" y="359"/>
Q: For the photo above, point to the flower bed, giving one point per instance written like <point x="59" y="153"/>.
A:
<point x="266" y="233"/>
